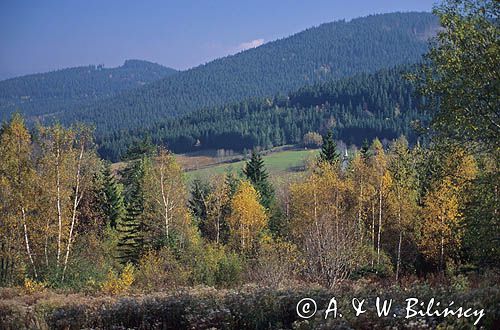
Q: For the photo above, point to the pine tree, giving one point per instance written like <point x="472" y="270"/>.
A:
<point x="365" y="149"/>
<point x="329" y="151"/>
<point x="114" y="206"/>
<point x="130" y="241"/>
<point x="254" y="169"/>
<point x="256" y="173"/>
<point x="198" y="200"/>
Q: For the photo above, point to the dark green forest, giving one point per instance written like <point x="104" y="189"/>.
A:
<point x="248" y="99"/>
<point x="61" y="91"/>
<point x="365" y="106"/>
<point x="86" y="244"/>
<point x="329" y="51"/>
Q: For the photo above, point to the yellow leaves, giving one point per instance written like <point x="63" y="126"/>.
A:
<point x="165" y="195"/>
<point x="32" y="286"/>
<point x="116" y="284"/>
<point x="319" y="196"/>
<point x="248" y="217"/>
<point x="217" y="202"/>
<point x="441" y="231"/>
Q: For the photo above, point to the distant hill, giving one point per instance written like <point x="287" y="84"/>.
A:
<point x="329" y="51"/>
<point x="64" y="90"/>
<point x="364" y="106"/>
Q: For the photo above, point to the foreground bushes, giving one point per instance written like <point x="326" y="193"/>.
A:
<point x="247" y="308"/>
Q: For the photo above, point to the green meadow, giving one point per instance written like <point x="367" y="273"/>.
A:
<point x="277" y="163"/>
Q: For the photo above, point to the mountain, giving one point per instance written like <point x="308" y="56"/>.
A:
<point x="329" y="51"/>
<point x="65" y="90"/>
<point x="364" y="106"/>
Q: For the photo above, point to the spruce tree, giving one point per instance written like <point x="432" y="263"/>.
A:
<point x="198" y="202"/>
<point x="254" y="169"/>
<point x="114" y="206"/>
<point x="365" y="149"/>
<point x="130" y="242"/>
<point x="256" y="173"/>
<point x="329" y="150"/>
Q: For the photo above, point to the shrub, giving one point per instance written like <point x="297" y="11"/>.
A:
<point x="32" y="286"/>
<point x="160" y="269"/>
<point x="216" y="266"/>
<point x="277" y="264"/>
<point x="115" y="284"/>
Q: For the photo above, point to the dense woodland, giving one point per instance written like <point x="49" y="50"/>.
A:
<point x="53" y="93"/>
<point x="363" y="107"/>
<point x="328" y="52"/>
<point x="400" y="214"/>
<point x="66" y="218"/>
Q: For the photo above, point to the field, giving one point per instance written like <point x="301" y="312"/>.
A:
<point x="278" y="161"/>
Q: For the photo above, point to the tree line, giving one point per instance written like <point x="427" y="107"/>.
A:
<point x="383" y="211"/>
<point x="68" y="219"/>
<point x="382" y="104"/>
<point x="47" y="95"/>
<point x="319" y="54"/>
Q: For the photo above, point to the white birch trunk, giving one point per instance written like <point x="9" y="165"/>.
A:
<point x="76" y="202"/>
<point x="26" y="240"/>
<point x="58" y="202"/>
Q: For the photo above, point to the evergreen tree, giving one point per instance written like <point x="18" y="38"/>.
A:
<point x="198" y="200"/>
<point x="365" y="149"/>
<point x="329" y="151"/>
<point x="256" y="173"/>
<point x="254" y="169"/>
<point x="130" y="228"/>
<point x="114" y="206"/>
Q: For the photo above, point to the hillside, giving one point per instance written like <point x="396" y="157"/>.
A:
<point x="361" y="107"/>
<point x="329" y="51"/>
<point x="67" y="89"/>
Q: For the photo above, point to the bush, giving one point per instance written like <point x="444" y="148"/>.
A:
<point x="216" y="266"/>
<point x="159" y="270"/>
<point x="278" y="263"/>
<point x="32" y="286"/>
<point x="115" y="284"/>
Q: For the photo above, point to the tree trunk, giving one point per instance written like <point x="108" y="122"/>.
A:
<point x="165" y="201"/>
<point x="46" y="245"/>
<point x="441" y="254"/>
<point x="58" y="202"/>
<point x="398" y="263"/>
<point x="76" y="202"/>
<point x="379" y="222"/>
<point x="360" y="207"/>
<point x="26" y="240"/>
<point x="373" y="232"/>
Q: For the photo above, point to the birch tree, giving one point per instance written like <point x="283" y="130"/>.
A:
<point x="18" y="195"/>
<point x="403" y="193"/>
<point x="165" y="197"/>
<point x="382" y="181"/>
<point x="248" y="218"/>
<point x="323" y="225"/>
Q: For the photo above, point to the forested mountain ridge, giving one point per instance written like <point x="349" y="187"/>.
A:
<point x="364" y="106"/>
<point x="329" y="51"/>
<point x="63" y="90"/>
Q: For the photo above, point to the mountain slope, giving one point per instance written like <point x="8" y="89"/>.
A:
<point x="360" y="107"/>
<point x="67" y="89"/>
<point x="329" y="51"/>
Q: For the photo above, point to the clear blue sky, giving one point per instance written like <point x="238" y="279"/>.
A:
<point x="38" y="36"/>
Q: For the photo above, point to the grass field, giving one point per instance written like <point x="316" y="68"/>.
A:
<point x="283" y="161"/>
<point x="277" y="163"/>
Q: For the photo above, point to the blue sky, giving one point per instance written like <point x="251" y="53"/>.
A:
<point x="38" y="36"/>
